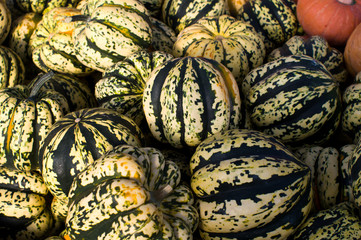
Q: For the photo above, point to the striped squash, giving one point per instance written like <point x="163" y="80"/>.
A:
<point x="178" y="14"/>
<point x="316" y="47"/>
<point x="249" y="186"/>
<point x="26" y="116"/>
<point x="131" y="193"/>
<point x="24" y="213"/>
<point x="5" y="21"/>
<point x="351" y="115"/>
<point x="163" y="37"/>
<point x="12" y="69"/>
<point x="51" y="43"/>
<point x="121" y="86"/>
<point x="339" y="222"/>
<point x="41" y="7"/>
<point x="293" y="98"/>
<point x="275" y="20"/>
<point x="78" y="139"/>
<point x="111" y="30"/>
<point x="187" y="99"/>
<point x="225" y="39"/>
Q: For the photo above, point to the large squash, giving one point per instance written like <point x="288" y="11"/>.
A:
<point x="131" y="193"/>
<point x="188" y="99"/>
<point x="249" y="186"/>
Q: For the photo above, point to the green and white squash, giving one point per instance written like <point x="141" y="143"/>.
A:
<point x="232" y="42"/>
<point x="249" y="186"/>
<point x="316" y="47"/>
<point x="131" y="193"/>
<point x="163" y="37"/>
<point x="5" y="21"/>
<point x="24" y="213"/>
<point x="294" y="98"/>
<point x="78" y="139"/>
<point x="188" y="99"/>
<point x="274" y="20"/>
<point x="40" y="7"/>
<point x="12" y="69"/>
<point x="111" y="30"/>
<point x="51" y="44"/>
<point x="121" y="86"/>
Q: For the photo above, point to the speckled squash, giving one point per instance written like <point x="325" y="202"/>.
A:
<point x="187" y="99"/>
<point x="163" y="37"/>
<point x="351" y="115"/>
<point x="135" y="194"/>
<point x="41" y="7"/>
<point x="274" y="20"/>
<point x="26" y="116"/>
<point x="110" y="31"/>
<point x="12" y="69"/>
<point x="78" y="139"/>
<point x="316" y="47"/>
<point x="179" y="14"/>
<point x="121" y="86"/>
<point x="249" y="186"/>
<point x="294" y="98"/>
<point x="5" y="21"/>
<point x="51" y="44"/>
<point x="24" y="213"/>
<point x="339" y="222"/>
<point x="232" y="42"/>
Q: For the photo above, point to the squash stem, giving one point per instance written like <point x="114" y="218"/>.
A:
<point x="40" y="82"/>
<point x="347" y="2"/>
<point x="157" y="196"/>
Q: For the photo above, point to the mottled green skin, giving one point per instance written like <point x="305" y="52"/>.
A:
<point x="316" y="47"/>
<point x="41" y="7"/>
<point x="131" y="193"/>
<point x="188" y="99"/>
<point x="249" y="186"/>
<point x="163" y="36"/>
<point x="294" y="99"/>
<point x="339" y="222"/>
<point x="12" y="69"/>
<point x="78" y="139"/>
<point x="274" y="20"/>
<point x="121" y="86"/>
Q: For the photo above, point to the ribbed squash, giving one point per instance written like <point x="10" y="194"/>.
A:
<point x="131" y="193"/>
<point x="179" y="14"/>
<point x="51" y="43"/>
<point x="121" y="86"/>
<point x="316" y="47"/>
<point x="294" y="98"/>
<point x="41" y="7"/>
<point x="78" y="139"/>
<point x="274" y="20"/>
<point x="12" y="69"/>
<point x="24" y="213"/>
<point x="249" y="186"/>
<point x="5" y="21"/>
<point x="188" y="99"/>
<point x="163" y="37"/>
<point x="225" y="39"/>
<point x="339" y="222"/>
<point x="111" y="30"/>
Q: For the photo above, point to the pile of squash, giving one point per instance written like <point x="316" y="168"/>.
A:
<point x="180" y="119"/>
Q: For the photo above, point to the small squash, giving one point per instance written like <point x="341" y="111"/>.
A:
<point x="352" y="52"/>
<point x="12" y="69"/>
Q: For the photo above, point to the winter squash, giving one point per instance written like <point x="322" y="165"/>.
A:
<point x="187" y="99"/>
<point x="274" y="20"/>
<point x="41" y="7"/>
<point x="316" y="47"/>
<point x="136" y="193"/>
<point x="77" y="139"/>
<point x="225" y="39"/>
<point x="333" y="20"/>
<point x="109" y="31"/>
<point x="352" y="51"/>
<point x="178" y="14"/>
<point x="121" y="86"/>
<point x="12" y="70"/>
<point x="51" y="43"/>
<point x="249" y="186"/>
<point x="294" y="99"/>
<point x="163" y="37"/>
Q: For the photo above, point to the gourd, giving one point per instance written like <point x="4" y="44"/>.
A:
<point x="334" y="20"/>
<point x="78" y="139"/>
<point x="187" y="99"/>
<point x="12" y="69"/>
<point x="130" y="192"/>
<point x="5" y="21"/>
<point x="352" y="51"/>
<point x="163" y="37"/>
<point x="225" y="39"/>
<point x="294" y="99"/>
<point x="249" y="186"/>
<point x="109" y="31"/>
<point x="318" y="48"/>
<point x="40" y="7"/>
<point x="51" y="44"/>
<point x="121" y="85"/>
